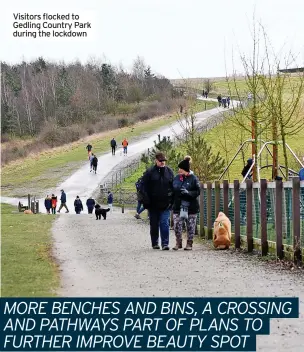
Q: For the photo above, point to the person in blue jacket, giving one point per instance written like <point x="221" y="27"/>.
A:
<point x="63" y="200"/>
<point x="48" y="204"/>
<point x="90" y="205"/>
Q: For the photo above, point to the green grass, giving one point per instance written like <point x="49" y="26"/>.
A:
<point x="235" y="88"/>
<point x="28" y="270"/>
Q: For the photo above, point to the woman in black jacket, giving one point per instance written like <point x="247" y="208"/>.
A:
<point x="186" y="189"/>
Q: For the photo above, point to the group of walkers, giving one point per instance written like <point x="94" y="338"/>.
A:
<point x="50" y="203"/>
<point x="223" y="101"/>
<point x="159" y="191"/>
<point x="93" y="158"/>
<point x="205" y="93"/>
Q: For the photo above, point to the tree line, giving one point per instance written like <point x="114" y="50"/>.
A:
<point x="39" y="93"/>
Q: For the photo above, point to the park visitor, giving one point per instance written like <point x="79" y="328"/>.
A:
<point x="90" y="203"/>
<point x="157" y="198"/>
<point x="186" y="190"/>
<point x="78" y="205"/>
<point x="63" y="200"/>
<point x="48" y="204"/>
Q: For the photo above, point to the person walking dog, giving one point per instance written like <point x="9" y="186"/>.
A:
<point x="186" y="189"/>
<point x="90" y="203"/>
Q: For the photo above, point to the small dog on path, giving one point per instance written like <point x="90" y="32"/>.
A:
<point x="222" y="232"/>
<point x="101" y="212"/>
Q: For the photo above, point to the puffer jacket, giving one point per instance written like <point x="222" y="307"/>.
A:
<point x="191" y="184"/>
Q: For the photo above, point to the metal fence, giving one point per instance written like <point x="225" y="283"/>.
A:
<point x="267" y="214"/>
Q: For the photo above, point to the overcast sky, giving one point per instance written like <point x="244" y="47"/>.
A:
<point x="177" y="38"/>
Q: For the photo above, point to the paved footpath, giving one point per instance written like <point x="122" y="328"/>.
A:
<point x="113" y="258"/>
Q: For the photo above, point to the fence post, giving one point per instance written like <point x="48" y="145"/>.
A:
<point x="249" y="215"/>
<point x="122" y="201"/>
<point x="217" y="197"/>
<point x="279" y="218"/>
<point x="29" y="201"/>
<point x="263" y="216"/>
<point x="296" y="219"/>
<point x="202" y="227"/>
<point x="226" y="197"/>
<point x="237" y="232"/>
<point x="209" y="211"/>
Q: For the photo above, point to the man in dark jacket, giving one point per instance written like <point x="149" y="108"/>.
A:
<point x="90" y="205"/>
<point x="157" y="198"/>
<point x="246" y="168"/>
<point x="63" y="202"/>
<point x="113" y="146"/>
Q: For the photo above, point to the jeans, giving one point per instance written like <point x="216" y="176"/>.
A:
<point x="159" y="221"/>
<point x="125" y="150"/>
<point x="139" y="208"/>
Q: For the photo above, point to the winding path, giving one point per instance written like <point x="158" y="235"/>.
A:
<point x="114" y="258"/>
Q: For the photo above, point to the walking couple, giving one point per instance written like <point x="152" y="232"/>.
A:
<point x="162" y="192"/>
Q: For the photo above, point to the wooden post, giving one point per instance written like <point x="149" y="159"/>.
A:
<point x="263" y="216"/>
<point x="209" y="211"/>
<point x="29" y="201"/>
<point x="237" y="230"/>
<point x="279" y="218"/>
<point x="254" y="143"/>
<point x="217" y="197"/>
<point x="122" y="201"/>
<point x="296" y="219"/>
<point x="202" y="227"/>
<point x="249" y="215"/>
<point x="226" y="197"/>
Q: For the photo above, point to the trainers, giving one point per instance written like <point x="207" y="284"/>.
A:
<point x="137" y="216"/>
<point x="166" y="248"/>
<point x="156" y="246"/>
<point x="67" y="212"/>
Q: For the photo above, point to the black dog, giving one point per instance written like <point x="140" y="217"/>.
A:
<point x="101" y="212"/>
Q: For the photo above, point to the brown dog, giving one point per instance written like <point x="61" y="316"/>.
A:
<point x="222" y="232"/>
<point x="28" y="211"/>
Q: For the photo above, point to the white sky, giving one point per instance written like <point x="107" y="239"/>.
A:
<point x="178" y="38"/>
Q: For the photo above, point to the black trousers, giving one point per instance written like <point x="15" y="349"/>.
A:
<point x="113" y="150"/>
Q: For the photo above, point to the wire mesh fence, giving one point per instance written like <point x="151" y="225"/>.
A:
<point x="291" y="206"/>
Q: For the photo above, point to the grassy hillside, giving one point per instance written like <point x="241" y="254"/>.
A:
<point x="28" y="269"/>
<point x="45" y="170"/>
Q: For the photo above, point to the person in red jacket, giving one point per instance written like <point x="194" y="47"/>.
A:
<point x="54" y="203"/>
<point x="125" y="146"/>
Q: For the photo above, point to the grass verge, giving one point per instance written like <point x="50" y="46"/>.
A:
<point x="28" y="268"/>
